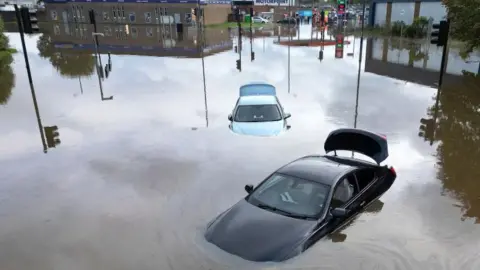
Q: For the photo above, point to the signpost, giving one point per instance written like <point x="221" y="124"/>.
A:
<point x="339" y="41"/>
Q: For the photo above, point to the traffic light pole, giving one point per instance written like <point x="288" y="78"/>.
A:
<point x="444" y="59"/>
<point x="32" y="89"/>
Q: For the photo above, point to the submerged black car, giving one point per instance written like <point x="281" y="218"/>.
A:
<point x="305" y="200"/>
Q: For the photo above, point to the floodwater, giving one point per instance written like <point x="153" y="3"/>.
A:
<point x="137" y="177"/>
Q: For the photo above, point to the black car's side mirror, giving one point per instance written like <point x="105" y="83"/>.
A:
<point x="339" y="212"/>
<point x="289" y="127"/>
<point x="230" y="118"/>
<point x="249" y="188"/>
<point x="288" y="115"/>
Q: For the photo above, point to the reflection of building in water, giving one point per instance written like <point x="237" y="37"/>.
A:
<point x="164" y="31"/>
<point x="383" y="12"/>
<point x="160" y="12"/>
<point x="145" y="40"/>
<point x="417" y="63"/>
<point x="283" y="31"/>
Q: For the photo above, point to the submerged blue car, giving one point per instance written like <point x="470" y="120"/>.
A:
<point x="258" y="111"/>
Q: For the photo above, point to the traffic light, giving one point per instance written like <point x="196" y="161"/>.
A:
<point x="251" y="12"/>
<point x="252" y="56"/>
<point x="52" y="135"/>
<point x="341" y="7"/>
<point x="29" y="20"/>
<point x="440" y="33"/>
<point x="339" y="41"/>
<point x="239" y="65"/>
<point x="427" y="129"/>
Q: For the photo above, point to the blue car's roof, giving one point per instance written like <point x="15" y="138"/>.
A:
<point x="316" y="168"/>
<point x="257" y="100"/>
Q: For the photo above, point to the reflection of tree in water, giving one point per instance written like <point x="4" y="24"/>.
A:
<point x="415" y="51"/>
<point x="68" y="64"/>
<point x="7" y="78"/>
<point x="458" y="130"/>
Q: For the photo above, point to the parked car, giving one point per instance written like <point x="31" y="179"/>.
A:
<point x="258" y="19"/>
<point x="305" y="200"/>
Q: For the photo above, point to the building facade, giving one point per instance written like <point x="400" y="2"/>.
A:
<point x="159" y="29"/>
<point x="140" y="11"/>
<point x="385" y="12"/>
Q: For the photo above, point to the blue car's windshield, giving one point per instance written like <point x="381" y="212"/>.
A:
<point x="257" y="113"/>
<point x="287" y="194"/>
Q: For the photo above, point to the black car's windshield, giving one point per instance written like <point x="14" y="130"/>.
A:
<point x="290" y="196"/>
<point x="257" y="113"/>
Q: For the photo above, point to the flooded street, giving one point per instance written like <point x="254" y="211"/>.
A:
<point x="137" y="177"/>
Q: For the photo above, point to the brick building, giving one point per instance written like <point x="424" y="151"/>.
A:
<point x="140" y="11"/>
<point x="159" y="29"/>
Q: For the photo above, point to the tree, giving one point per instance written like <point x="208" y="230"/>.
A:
<point x="68" y="64"/>
<point x="7" y="78"/>
<point x="458" y="130"/>
<point x="464" y="17"/>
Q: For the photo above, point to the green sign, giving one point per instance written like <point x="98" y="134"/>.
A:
<point x="339" y="45"/>
<point x="340" y="2"/>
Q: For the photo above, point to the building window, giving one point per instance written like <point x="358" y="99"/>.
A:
<point x="114" y="14"/>
<point x="149" y="32"/>
<point x="148" y="17"/>
<point x="123" y="13"/>
<point x="134" y="32"/>
<point x="188" y="18"/>
<point x="108" y="31"/>
<point x="105" y="16"/>
<point x="131" y="17"/>
<point x="56" y="29"/>
<point x="54" y="15"/>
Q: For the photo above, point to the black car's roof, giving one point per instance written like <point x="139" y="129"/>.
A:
<point x="316" y="168"/>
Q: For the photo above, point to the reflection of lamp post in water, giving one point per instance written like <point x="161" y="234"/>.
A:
<point x="203" y="69"/>
<point x="98" y="64"/>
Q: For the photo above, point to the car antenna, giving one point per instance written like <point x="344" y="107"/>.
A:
<point x="335" y="152"/>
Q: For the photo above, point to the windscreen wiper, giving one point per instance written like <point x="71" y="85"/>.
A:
<point x="286" y="213"/>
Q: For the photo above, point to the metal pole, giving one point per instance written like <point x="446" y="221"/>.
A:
<point x="289" y="44"/>
<point x="435" y="114"/>
<point x="361" y="48"/>
<point x="32" y="89"/>
<point x="203" y="70"/>
<point x="97" y="57"/>
<point x="444" y="59"/>
<point x="81" y="87"/>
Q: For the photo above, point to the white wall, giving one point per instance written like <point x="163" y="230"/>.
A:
<point x="380" y="13"/>
<point x="408" y="10"/>
<point x="435" y="10"/>
<point x="273" y="2"/>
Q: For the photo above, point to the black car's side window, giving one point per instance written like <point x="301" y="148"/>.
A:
<point x="365" y="177"/>
<point x="344" y="191"/>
